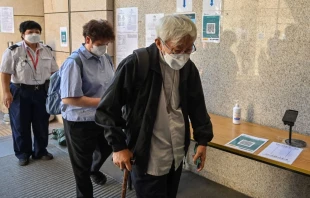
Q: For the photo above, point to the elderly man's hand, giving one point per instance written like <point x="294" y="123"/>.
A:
<point x="200" y="153"/>
<point x="122" y="159"/>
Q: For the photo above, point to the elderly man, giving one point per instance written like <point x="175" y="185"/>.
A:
<point x="156" y="121"/>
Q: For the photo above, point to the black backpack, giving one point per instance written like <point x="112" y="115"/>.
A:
<point x="143" y="65"/>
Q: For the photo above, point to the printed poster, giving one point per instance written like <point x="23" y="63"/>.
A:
<point x="281" y="152"/>
<point x="126" y="32"/>
<point x="247" y="143"/>
<point x="211" y="29"/>
<point x="127" y="19"/>
<point x="150" y="24"/>
<point x="6" y="20"/>
<point x="126" y="43"/>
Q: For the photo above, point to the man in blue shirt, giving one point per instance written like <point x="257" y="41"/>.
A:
<point x="81" y="89"/>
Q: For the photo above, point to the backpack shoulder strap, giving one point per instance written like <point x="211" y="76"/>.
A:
<point x="143" y="65"/>
<point x="75" y="56"/>
<point x="110" y="60"/>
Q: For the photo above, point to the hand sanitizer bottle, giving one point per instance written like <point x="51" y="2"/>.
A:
<point x="237" y="114"/>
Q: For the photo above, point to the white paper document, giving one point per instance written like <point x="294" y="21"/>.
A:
<point x="126" y="32"/>
<point x="126" y="43"/>
<point x="150" y="23"/>
<point x="247" y="143"/>
<point x="6" y="20"/>
<point x="184" y="5"/>
<point x="127" y="19"/>
<point x="281" y="152"/>
<point x="212" y="7"/>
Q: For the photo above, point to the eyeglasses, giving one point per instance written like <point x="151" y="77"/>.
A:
<point x="187" y="51"/>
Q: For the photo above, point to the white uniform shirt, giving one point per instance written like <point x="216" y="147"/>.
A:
<point x="168" y="139"/>
<point x="18" y="63"/>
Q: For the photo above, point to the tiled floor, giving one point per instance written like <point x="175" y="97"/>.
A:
<point x="5" y="128"/>
<point x="191" y="185"/>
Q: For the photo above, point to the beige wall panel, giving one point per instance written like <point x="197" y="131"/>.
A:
<point x="61" y="57"/>
<point x="51" y="6"/>
<point x="78" y="19"/>
<point x="53" y="22"/>
<point x="81" y="5"/>
<point x="23" y="7"/>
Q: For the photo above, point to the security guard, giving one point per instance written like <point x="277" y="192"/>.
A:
<point x="25" y="69"/>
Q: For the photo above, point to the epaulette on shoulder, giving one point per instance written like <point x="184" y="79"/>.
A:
<point x="49" y="47"/>
<point x="12" y="47"/>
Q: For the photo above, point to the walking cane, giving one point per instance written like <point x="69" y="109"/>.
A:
<point x="125" y="179"/>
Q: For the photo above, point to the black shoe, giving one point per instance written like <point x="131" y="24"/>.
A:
<point x="23" y="162"/>
<point x="47" y="156"/>
<point x="98" y="178"/>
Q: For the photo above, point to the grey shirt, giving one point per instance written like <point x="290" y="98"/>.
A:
<point x="19" y="64"/>
<point x="167" y="143"/>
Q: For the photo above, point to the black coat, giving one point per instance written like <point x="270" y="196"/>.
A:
<point x="128" y="112"/>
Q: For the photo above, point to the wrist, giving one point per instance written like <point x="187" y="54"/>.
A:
<point x="6" y="91"/>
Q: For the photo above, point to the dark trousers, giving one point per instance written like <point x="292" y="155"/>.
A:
<point x="28" y="110"/>
<point x="149" y="186"/>
<point x="83" y="138"/>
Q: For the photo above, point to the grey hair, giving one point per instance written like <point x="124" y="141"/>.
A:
<point x="175" y="27"/>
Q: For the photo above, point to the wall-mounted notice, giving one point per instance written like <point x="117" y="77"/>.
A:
<point x="184" y="5"/>
<point x="211" y="29"/>
<point x="150" y="23"/>
<point x="192" y="16"/>
<point x="126" y="32"/>
<point x="63" y="37"/>
<point x="127" y="19"/>
<point x="126" y="43"/>
<point x="6" y="20"/>
<point x="212" y="7"/>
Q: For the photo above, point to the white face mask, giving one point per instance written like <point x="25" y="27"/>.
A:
<point x="176" y="61"/>
<point x="99" y="50"/>
<point x="32" y="38"/>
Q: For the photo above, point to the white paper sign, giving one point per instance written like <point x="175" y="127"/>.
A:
<point x="212" y="7"/>
<point x="126" y="32"/>
<point x="127" y="19"/>
<point x="150" y="23"/>
<point x="184" y="5"/>
<point x="6" y="20"/>
<point x="63" y="37"/>
<point x="126" y="43"/>
<point x="281" y="152"/>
